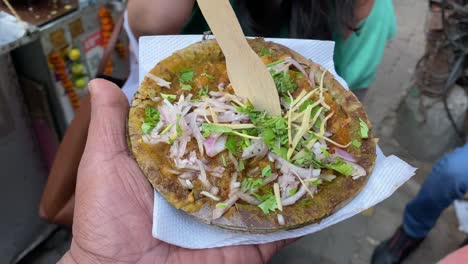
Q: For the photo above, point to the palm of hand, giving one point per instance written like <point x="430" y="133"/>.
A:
<point x="113" y="211"/>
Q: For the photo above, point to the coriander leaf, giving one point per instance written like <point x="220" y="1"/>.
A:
<point x="265" y="52"/>
<point x="203" y="91"/>
<point x="232" y="144"/>
<point x="292" y="191"/>
<point x="150" y="120"/>
<point x="186" y="87"/>
<point x="316" y="182"/>
<point x="251" y="185"/>
<point x="269" y="136"/>
<point x="186" y="75"/>
<point x="208" y="129"/>
<point x="209" y="76"/>
<point x="357" y="143"/>
<point x="221" y="205"/>
<point x="325" y="152"/>
<point x="284" y="82"/>
<point x="263" y="197"/>
<point x="306" y="202"/>
<point x="269" y="205"/>
<point x="364" y="128"/>
<point x="151" y="112"/>
<point x="147" y="128"/>
<point x="169" y="97"/>
<point x="275" y="63"/>
<point x="341" y="167"/>
<point x="241" y="165"/>
<point x="266" y="171"/>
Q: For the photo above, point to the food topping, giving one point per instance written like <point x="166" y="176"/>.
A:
<point x="270" y="162"/>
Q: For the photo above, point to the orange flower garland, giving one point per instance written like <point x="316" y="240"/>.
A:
<point x="107" y="25"/>
<point x="59" y="65"/>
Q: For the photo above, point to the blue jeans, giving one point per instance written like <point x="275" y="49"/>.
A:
<point x="447" y="182"/>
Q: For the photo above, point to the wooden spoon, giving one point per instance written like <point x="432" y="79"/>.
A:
<point x="247" y="73"/>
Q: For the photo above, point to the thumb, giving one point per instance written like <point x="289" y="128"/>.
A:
<point x="109" y="110"/>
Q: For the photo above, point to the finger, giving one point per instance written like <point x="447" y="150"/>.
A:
<point x="109" y="109"/>
<point x="270" y="249"/>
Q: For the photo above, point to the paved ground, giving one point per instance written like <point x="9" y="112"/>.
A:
<point x="353" y="241"/>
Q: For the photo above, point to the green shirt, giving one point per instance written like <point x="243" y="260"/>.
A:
<point x="356" y="58"/>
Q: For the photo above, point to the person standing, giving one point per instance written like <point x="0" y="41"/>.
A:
<point x="447" y="182"/>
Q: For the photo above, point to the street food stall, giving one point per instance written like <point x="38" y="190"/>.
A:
<point x="49" y="50"/>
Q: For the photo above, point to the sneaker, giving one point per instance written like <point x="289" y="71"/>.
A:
<point x="395" y="249"/>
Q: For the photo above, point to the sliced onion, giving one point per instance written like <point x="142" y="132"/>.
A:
<point x="218" y="212"/>
<point x="196" y="132"/>
<point x="184" y="184"/>
<point x="358" y="170"/>
<point x="257" y="148"/>
<point x="286" y="167"/>
<point x="248" y="198"/>
<point x="344" y="155"/>
<point x="302" y="70"/>
<point x="211" y="196"/>
<point x="312" y="78"/>
<point x="293" y="199"/>
<point x="159" y="81"/>
<point x="187" y="175"/>
<point x="233" y="181"/>
<point x="203" y="177"/>
<point x="234" y="161"/>
<point x="281" y="219"/>
<point x="327" y="177"/>
<point x="215" y="144"/>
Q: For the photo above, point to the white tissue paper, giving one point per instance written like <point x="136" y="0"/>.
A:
<point x="175" y="227"/>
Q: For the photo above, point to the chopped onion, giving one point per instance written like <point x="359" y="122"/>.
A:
<point x="358" y="171"/>
<point x="285" y="167"/>
<point x="315" y="173"/>
<point x="344" y="155"/>
<point x="214" y="190"/>
<point x="293" y="199"/>
<point x="189" y="184"/>
<point x="184" y="184"/>
<point x="302" y="70"/>
<point x="281" y="219"/>
<point x="248" y="198"/>
<point x="234" y="161"/>
<point x="215" y="144"/>
<point x="203" y="177"/>
<point x="196" y="133"/>
<point x="312" y="78"/>
<point x="276" y="190"/>
<point x="257" y="148"/>
<point x="187" y="175"/>
<point x="233" y="181"/>
<point x="218" y="212"/>
<point x="159" y="81"/>
<point x="209" y="195"/>
<point x="327" y="177"/>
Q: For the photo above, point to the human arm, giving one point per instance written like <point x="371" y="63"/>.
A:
<point x="158" y="17"/>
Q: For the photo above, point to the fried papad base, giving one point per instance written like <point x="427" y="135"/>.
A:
<point x="153" y="159"/>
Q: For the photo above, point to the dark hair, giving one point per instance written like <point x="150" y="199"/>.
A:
<point x="311" y="19"/>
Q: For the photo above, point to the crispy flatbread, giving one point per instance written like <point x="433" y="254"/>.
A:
<point x="156" y="163"/>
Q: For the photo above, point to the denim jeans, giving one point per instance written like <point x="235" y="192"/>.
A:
<point x="447" y="182"/>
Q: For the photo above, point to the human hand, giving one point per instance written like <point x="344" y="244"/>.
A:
<point x="114" y="200"/>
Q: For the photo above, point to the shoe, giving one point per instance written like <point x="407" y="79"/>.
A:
<point x="395" y="249"/>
